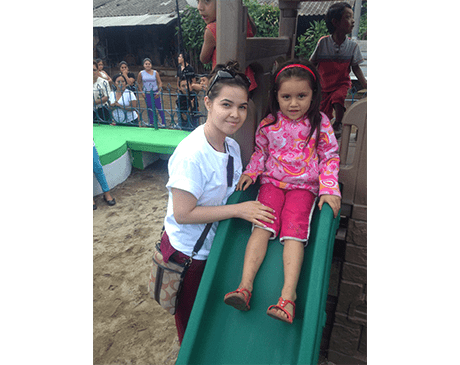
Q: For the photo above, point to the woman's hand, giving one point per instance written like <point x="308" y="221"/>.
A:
<point x="332" y="200"/>
<point x="255" y="212"/>
<point x="244" y="182"/>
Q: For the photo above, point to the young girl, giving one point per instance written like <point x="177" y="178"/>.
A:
<point x="297" y="160"/>
<point x="149" y="82"/>
<point x="208" y="12"/>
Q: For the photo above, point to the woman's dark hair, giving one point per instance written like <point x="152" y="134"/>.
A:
<point x="239" y="79"/>
<point x="185" y="56"/>
<point x="313" y="78"/>
<point x="122" y="63"/>
<point x="117" y="76"/>
<point x="335" y="11"/>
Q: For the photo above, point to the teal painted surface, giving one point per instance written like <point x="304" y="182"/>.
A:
<point x="113" y="141"/>
<point x="220" y="334"/>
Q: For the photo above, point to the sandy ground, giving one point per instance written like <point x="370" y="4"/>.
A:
<point x="128" y="326"/>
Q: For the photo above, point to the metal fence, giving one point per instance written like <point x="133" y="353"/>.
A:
<point x="166" y="109"/>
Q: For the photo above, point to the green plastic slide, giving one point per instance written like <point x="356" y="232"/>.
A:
<point x="219" y="334"/>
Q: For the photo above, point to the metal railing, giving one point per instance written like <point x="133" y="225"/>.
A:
<point x="176" y="111"/>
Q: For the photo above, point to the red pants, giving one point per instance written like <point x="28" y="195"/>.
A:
<point x="189" y="286"/>
<point x="328" y="100"/>
<point x="293" y="211"/>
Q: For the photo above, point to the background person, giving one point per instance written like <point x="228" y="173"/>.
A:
<point x="333" y="56"/>
<point x="101" y="91"/>
<point x="149" y="82"/>
<point x="208" y="12"/>
<point x="187" y="104"/>
<point x="123" y="103"/>
<point x="185" y="70"/>
<point x="129" y="76"/>
<point x="102" y="73"/>
<point x="100" y="176"/>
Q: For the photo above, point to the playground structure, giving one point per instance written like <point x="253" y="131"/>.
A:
<point x="246" y="337"/>
<point x="334" y="323"/>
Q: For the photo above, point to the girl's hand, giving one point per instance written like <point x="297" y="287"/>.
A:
<point x="255" y="212"/>
<point x="332" y="200"/>
<point x="244" y="182"/>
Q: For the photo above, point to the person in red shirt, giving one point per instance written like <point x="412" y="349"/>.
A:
<point x="208" y="12"/>
<point x="334" y="56"/>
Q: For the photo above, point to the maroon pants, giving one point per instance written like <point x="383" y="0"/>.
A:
<point x="189" y="286"/>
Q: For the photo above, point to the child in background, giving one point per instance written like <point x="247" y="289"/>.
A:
<point x="333" y="56"/>
<point x="204" y="82"/>
<point x="208" y="11"/>
<point x="187" y="103"/>
<point x="297" y="160"/>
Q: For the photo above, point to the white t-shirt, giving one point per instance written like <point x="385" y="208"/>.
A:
<point x="101" y="88"/>
<point x="120" y="114"/>
<point x="199" y="169"/>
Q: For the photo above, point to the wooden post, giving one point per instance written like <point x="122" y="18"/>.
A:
<point x="288" y="22"/>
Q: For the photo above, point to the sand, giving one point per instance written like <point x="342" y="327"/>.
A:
<point x="128" y="326"/>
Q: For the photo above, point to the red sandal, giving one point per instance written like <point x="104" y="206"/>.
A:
<point x="282" y="306"/>
<point x="235" y="300"/>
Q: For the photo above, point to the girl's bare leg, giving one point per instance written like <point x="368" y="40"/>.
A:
<point x="293" y="254"/>
<point x="254" y="256"/>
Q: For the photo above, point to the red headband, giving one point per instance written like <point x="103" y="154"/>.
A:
<point x="296" y="65"/>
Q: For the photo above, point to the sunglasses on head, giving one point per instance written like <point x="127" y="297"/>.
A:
<point x="227" y="74"/>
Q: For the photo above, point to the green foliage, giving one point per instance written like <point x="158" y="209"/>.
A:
<point x="266" y="17"/>
<point x="362" y="32"/>
<point x="192" y="26"/>
<point x="306" y="43"/>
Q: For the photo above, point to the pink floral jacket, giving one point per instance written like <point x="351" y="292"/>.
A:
<point x="283" y="158"/>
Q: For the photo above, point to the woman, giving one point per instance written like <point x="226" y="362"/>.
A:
<point x="203" y="173"/>
<point x="101" y="91"/>
<point x="129" y="76"/>
<point x="123" y="103"/>
<point x="184" y="69"/>
<point x="102" y="73"/>
<point x="149" y="83"/>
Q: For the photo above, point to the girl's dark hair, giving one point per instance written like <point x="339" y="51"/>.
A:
<point x="239" y="79"/>
<point x="122" y="63"/>
<point x="117" y="76"/>
<point x="313" y="113"/>
<point x="335" y="11"/>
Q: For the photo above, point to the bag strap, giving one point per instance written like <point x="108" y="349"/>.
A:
<point x="200" y="241"/>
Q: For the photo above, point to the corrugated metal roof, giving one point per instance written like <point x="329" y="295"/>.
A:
<point x="122" y="21"/>
<point x="129" y="8"/>
<point x="310" y="7"/>
<point x="108" y="8"/>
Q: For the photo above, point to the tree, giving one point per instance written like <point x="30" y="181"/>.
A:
<point x="306" y="43"/>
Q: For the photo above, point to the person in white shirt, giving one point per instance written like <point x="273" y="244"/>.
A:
<point x="203" y="172"/>
<point x="101" y="91"/>
<point x="123" y="103"/>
